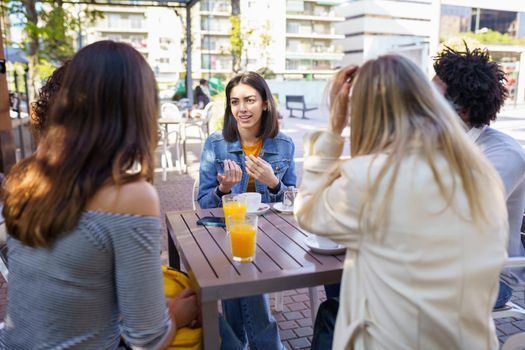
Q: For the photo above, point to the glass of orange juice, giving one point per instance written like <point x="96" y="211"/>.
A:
<point x="233" y="204"/>
<point x="243" y="237"/>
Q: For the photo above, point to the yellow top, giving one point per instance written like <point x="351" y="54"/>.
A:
<point x="254" y="150"/>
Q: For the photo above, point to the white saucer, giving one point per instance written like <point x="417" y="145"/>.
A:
<point x="280" y="207"/>
<point x="263" y="208"/>
<point x="324" y="245"/>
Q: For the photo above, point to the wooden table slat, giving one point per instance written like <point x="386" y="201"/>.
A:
<point x="214" y="246"/>
<point x="192" y="256"/>
<point x="292" y="233"/>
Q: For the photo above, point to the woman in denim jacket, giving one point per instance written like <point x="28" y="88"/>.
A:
<point x="250" y="155"/>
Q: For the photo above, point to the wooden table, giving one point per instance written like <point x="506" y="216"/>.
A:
<point x="283" y="261"/>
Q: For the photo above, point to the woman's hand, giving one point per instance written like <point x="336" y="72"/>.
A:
<point x="261" y="171"/>
<point x="232" y="175"/>
<point x="184" y="308"/>
<point x="339" y="99"/>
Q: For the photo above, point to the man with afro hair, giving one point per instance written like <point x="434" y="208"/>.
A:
<point x="476" y="88"/>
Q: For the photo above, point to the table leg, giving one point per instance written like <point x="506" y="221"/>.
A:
<point x="184" y="154"/>
<point x="210" y="325"/>
<point x="173" y="254"/>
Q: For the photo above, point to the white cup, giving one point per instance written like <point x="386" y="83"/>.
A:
<point x="253" y="200"/>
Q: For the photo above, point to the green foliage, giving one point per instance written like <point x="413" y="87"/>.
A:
<point x="48" y="29"/>
<point x="217" y="119"/>
<point x="236" y="42"/>
<point x="458" y="44"/>
<point x="266" y="73"/>
<point x="57" y="42"/>
<point x="493" y="37"/>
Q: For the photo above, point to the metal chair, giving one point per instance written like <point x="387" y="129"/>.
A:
<point x="170" y="111"/>
<point x="195" y="193"/>
<point x="204" y="116"/>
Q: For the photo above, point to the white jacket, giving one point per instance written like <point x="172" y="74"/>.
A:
<point x="432" y="280"/>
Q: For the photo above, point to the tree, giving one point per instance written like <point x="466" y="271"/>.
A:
<point x="48" y="29"/>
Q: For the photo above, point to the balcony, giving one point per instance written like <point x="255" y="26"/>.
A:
<point x="121" y="29"/>
<point x="221" y="32"/>
<point x="315" y="17"/>
<point x="313" y="35"/>
<point x="215" y="14"/>
<point x="335" y="56"/>
<point x="216" y="7"/>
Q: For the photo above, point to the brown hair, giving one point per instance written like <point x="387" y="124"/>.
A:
<point x="101" y="126"/>
<point x="269" y="118"/>
<point x="46" y="95"/>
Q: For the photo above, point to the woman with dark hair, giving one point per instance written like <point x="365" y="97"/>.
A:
<point x="249" y="155"/>
<point x="83" y="217"/>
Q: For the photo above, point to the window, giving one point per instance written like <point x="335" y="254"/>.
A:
<point x="136" y="21"/>
<point x="113" y="20"/>
<point x="501" y="21"/>
<point x="455" y="20"/>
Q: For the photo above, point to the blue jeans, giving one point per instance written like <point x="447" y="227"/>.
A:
<point x="332" y="290"/>
<point x="325" y="324"/>
<point x="249" y="320"/>
<point x="504" y="294"/>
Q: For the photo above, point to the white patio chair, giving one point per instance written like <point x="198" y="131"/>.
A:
<point x="195" y="193"/>
<point x="204" y="117"/>
<point x="171" y="112"/>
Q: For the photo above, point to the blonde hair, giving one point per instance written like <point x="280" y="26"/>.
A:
<point x="395" y="110"/>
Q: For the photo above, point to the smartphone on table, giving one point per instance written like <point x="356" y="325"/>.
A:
<point x="211" y="221"/>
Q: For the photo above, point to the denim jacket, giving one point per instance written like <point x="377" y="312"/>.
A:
<point x="278" y="151"/>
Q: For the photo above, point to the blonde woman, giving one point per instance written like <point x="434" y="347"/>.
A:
<point x="421" y="212"/>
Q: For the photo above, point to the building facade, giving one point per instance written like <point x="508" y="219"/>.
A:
<point x="291" y="38"/>
<point x="375" y="27"/>
<point x="154" y="31"/>
<point x="415" y="28"/>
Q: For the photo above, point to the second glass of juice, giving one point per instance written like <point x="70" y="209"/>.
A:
<point x="243" y="237"/>
<point x="233" y="204"/>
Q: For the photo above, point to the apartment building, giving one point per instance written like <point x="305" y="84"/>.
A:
<point x="293" y="38"/>
<point x="154" y="31"/>
<point x="374" y="27"/>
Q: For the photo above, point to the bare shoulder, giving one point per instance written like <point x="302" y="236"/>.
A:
<point x="136" y="198"/>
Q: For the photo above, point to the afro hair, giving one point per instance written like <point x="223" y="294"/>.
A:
<point x="474" y="83"/>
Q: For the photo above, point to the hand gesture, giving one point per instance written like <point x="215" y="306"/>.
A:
<point x="184" y="308"/>
<point x="339" y="99"/>
<point x="261" y="171"/>
<point x="232" y="175"/>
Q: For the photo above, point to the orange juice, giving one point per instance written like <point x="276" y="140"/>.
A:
<point x="243" y="241"/>
<point x="233" y="208"/>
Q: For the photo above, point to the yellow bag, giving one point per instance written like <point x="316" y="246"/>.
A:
<point x="186" y="338"/>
